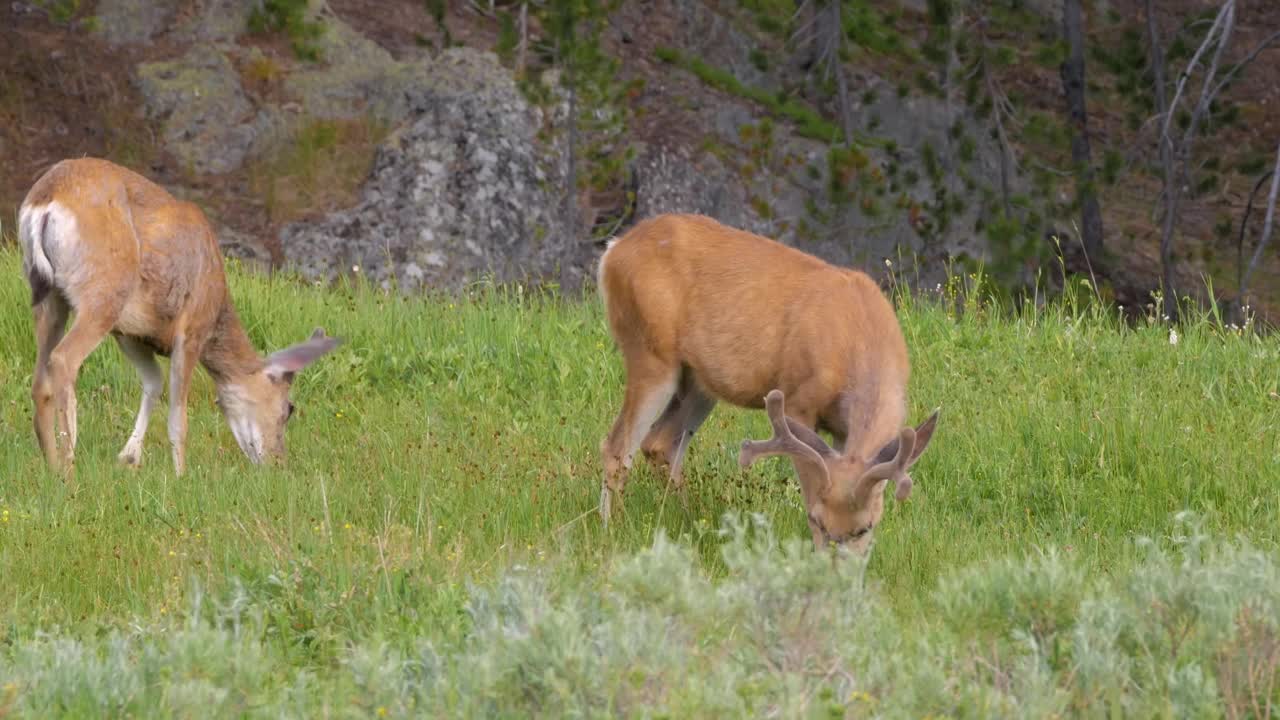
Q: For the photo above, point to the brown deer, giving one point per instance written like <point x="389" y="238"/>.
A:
<point x="134" y="262"/>
<point x="703" y="312"/>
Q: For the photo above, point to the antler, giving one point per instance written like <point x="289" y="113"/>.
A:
<point x="895" y="469"/>
<point x="783" y="441"/>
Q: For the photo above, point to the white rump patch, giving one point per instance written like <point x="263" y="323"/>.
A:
<point x="50" y="240"/>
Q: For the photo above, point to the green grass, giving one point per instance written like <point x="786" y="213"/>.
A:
<point x="449" y="441"/>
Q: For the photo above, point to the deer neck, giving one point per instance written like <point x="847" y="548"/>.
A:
<point x="230" y="356"/>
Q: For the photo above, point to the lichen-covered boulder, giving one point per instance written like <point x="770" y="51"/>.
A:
<point x="459" y="193"/>
<point x="354" y="77"/>
<point x="208" y="123"/>
<point x="671" y="181"/>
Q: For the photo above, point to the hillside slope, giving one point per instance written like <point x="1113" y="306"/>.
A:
<point x="717" y="114"/>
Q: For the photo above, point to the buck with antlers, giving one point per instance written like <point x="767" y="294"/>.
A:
<point x="134" y="262"/>
<point x="703" y="312"/>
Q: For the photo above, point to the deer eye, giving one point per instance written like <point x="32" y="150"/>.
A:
<point x="859" y="533"/>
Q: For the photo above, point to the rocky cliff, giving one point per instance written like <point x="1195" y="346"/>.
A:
<point x="378" y="138"/>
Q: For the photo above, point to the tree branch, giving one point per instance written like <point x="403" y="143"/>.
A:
<point x="1235" y="69"/>
<point x="1244" y="224"/>
<point x="1227" y="8"/>
<point x="1267" y="226"/>
<point x="1206" y="92"/>
<point x="1166" y="160"/>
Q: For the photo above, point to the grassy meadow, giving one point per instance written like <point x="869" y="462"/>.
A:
<point x="1092" y="531"/>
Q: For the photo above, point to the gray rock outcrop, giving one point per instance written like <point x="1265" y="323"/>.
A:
<point x="459" y="193"/>
<point x="208" y="122"/>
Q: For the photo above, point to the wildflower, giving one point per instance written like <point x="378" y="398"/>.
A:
<point x="888" y="263"/>
<point x="346" y="526"/>
<point x="382" y="711"/>
<point x="860" y="696"/>
<point x="338" y="414"/>
<point x="1173" y="336"/>
<point x="355" y="268"/>
<point x="172" y="554"/>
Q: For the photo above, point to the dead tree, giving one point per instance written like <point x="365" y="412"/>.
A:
<point x="1176" y="149"/>
<point x="1244" y="272"/>
<point x="1001" y="109"/>
<point x="1073" y="86"/>
<point x="823" y="32"/>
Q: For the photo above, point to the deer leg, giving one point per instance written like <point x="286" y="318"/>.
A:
<point x="664" y="434"/>
<point x="182" y="362"/>
<point x="651" y="383"/>
<point x="660" y="442"/>
<point x="696" y="407"/>
<point x="143" y="359"/>
<point x="50" y="323"/>
<point x="86" y="333"/>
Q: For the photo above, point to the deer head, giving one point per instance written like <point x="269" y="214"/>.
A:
<point x="257" y="406"/>
<point x="843" y="493"/>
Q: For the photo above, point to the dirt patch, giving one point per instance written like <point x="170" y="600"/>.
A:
<point x="407" y="28"/>
<point x="65" y="93"/>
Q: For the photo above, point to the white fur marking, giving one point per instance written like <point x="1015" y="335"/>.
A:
<point x="56" y="253"/>
<point x="152" y="385"/>
<point x="650" y="408"/>
<point x="238" y="410"/>
<point x="604" y="293"/>
<point x="30" y="224"/>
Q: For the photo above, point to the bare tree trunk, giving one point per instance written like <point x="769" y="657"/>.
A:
<point x="1073" y="86"/>
<point x="1167" y="161"/>
<point x="804" y="39"/>
<point x="835" y="33"/>
<point x="948" y="82"/>
<point x="571" y="171"/>
<point x="1001" y="136"/>
<point x="1267" y="226"/>
<point x="818" y="38"/>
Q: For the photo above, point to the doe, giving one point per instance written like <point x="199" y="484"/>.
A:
<point x="703" y="312"/>
<point x="134" y="262"/>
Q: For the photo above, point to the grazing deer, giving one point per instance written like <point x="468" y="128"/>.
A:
<point x="134" y="262"/>
<point x="703" y="312"/>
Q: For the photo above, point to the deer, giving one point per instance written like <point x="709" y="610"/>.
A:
<point x="136" y="263"/>
<point x="705" y="313"/>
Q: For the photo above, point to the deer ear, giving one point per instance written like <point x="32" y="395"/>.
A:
<point x="924" y="433"/>
<point x="284" y="364"/>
